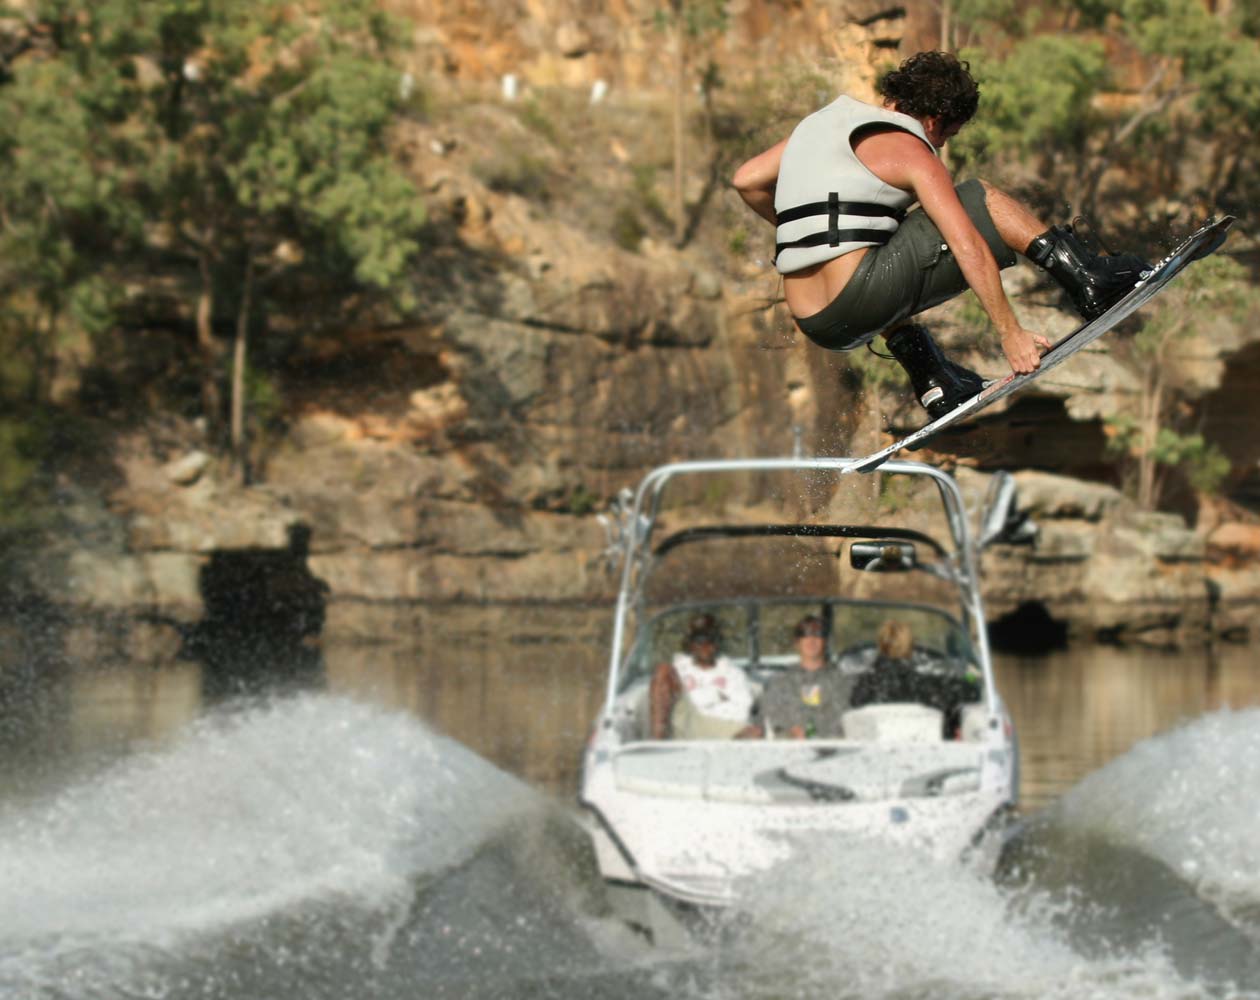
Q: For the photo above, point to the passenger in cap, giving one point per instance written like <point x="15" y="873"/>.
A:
<point x="700" y="694"/>
<point x="809" y="698"/>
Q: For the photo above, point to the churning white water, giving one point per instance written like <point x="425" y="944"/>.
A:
<point x="317" y="847"/>
<point x="248" y="814"/>
<point x="863" y="920"/>
<point x="1171" y="825"/>
<point x="1189" y="798"/>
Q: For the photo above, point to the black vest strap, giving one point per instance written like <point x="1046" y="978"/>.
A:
<point x="833" y="204"/>
<point x="835" y="237"/>
<point x="833" y="208"/>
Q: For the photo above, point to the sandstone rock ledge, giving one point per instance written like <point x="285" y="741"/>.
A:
<point x="385" y="526"/>
<point x="1110" y="571"/>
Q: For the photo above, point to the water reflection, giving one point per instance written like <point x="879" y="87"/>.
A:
<point x="520" y="686"/>
<point x="1080" y="708"/>
<point x="264" y="614"/>
<point x="115" y="707"/>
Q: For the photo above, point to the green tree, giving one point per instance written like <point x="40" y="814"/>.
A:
<point x="1043" y="118"/>
<point x="1206" y="73"/>
<point x="21" y="444"/>
<point x="67" y="217"/>
<point x="1175" y="123"/>
<point x="66" y="211"/>
<point x="249" y="138"/>
<point x="272" y="160"/>
<point x="963" y="23"/>
<point x="1151" y="432"/>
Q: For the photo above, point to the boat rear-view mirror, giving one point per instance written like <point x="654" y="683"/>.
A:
<point x="883" y="557"/>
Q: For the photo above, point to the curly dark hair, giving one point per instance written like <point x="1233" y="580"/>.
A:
<point x="933" y="84"/>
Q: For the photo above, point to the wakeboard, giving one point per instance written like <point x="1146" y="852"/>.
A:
<point x="1194" y="247"/>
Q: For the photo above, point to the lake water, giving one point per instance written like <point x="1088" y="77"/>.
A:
<point x="399" y="823"/>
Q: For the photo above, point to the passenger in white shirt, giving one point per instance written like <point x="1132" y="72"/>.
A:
<point x="701" y="694"/>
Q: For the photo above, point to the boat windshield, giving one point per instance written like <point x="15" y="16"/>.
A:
<point x="722" y="567"/>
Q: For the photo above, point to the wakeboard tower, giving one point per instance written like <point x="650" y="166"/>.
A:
<point x="1199" y="244"/>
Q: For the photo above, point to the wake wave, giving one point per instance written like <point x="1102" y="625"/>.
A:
<point x="248" y="813"/>
<point x="1189" y="798"/>
<point x="312" y="843"/>
<point x="865" y="919"/>
<point x="256" y="813"/>
<point x="1106" y="907"/>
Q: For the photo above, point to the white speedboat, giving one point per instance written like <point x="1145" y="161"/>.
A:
<point x="758" y="545"/>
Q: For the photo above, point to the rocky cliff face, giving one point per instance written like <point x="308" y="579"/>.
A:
<point x="623" y="43"/>
<point x="463" y="456"/>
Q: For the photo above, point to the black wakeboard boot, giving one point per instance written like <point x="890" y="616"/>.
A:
<point x="939" y="383"/>
<point x="1092" y="281"/>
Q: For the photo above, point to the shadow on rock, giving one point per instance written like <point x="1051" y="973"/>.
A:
<point x="264" y="616"/>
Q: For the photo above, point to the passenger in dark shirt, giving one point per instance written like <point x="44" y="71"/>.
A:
<point x="893" y="677"/>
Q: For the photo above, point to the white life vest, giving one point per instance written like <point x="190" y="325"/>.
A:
<point x="827" y="201"/>
<point x="720" y="691"/>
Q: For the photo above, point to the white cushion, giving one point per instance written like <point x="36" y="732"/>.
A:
<point x="897" y="722"/>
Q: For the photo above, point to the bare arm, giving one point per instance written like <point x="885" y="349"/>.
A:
<point x="661" y="695"/>
<point x="755" y="181"/>
<point x="904" y="161"/>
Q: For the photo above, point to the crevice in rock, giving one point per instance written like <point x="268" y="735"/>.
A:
<point x="1042" y="433"/>
<point x="1246" y="491"/>
<point x="885" y="14"/>
<point x="1228" y="418"/>
<point x="264" y="614"/>
<point x="1028" y="629"/>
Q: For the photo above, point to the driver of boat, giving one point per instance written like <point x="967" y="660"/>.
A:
<point x="808" y="699"/>
<point x="894" y="677"/>
<point x="700" y="695"/>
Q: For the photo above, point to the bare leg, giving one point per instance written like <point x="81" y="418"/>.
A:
<point x="1014" y="221"/>
<point x="1093" y="282"/>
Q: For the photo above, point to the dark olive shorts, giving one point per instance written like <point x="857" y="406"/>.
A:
<point x="912" y="272"/>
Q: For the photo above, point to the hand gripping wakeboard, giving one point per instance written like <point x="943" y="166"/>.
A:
<point x="1194" y="247"/>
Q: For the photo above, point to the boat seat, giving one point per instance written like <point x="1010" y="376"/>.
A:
<point x="974" y="726"/>
<point x="895" y="722"/>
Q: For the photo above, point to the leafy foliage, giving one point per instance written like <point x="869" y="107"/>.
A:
<point x="20" y="446"/>
<point x="689" y="22"/>
<point x="1034" y="112"/>
<point x="1159" y="94"/>
<point x="249" y="138"/>
<point x="696" y="17"/>
<point x="874" y="371"/>
<point x="274" y="127"/>
<point x="1142" y="110"/>
<point x="1204" y="464"/>
<point x="63" y="192"/>
<point x="1151" y="432"/>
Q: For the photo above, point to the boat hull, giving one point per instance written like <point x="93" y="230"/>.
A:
<point x="692" y="821"/>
